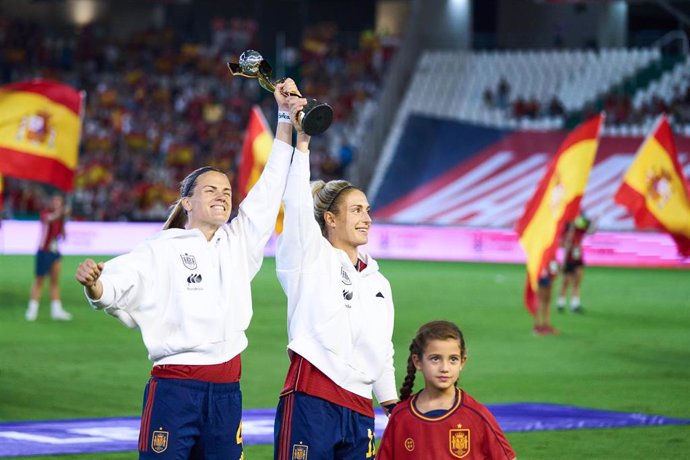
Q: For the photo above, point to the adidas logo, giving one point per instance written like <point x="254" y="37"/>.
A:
<point x="194" y="278"/>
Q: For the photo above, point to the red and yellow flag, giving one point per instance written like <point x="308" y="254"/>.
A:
<point x="258" y="140"/>
<point x="654" y="189"/>
<point x="556" y="201"/>
<point x="40" y="128"/>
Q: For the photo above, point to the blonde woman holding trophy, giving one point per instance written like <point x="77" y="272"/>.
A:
<point x="340" y="321"/>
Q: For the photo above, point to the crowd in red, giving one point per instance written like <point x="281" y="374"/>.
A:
<point x="158" y="107"/>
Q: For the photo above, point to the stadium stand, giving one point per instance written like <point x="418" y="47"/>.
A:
<point x="485" y="119"/>
<point x="526" y="89"/>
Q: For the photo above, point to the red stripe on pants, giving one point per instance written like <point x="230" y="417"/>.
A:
<point x="146" y="417"/>
<point x="285" y="427"/>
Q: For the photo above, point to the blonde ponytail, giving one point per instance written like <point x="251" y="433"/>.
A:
<point x="177" y="217"/>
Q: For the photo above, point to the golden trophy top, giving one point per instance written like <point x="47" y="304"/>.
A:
<point x="253" y="65"/>
<point x="314" y="118"/>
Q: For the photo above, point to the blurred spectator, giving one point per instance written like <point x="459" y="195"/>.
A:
<point x="488" y="98"/>
<point x="49" y="260"/>
<point x="503" y="93"/>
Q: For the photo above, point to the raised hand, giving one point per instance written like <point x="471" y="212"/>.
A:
<point x="285" y="89"/>
<point x="295" y="106"/>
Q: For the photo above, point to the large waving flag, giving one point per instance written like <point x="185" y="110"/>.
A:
<point x="256" y="148"/>
<point x="40" y="128"/>
<point x="556" y="201"/>
<point x="654" y="189"/>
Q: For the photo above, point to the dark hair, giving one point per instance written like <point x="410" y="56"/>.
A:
<point x="434" y="330"/>
<point x="177" y="218"/>
<point x="327" y="197"/>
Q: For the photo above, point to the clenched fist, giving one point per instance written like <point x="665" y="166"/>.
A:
<point x="87" y="274"/>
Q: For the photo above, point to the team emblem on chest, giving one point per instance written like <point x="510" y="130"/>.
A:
<point x="344" y="278"/>
<point x="459" y="440"/>
<point x="188" y="260"/>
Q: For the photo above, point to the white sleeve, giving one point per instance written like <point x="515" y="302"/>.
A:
<point x="301" y="239"/>
<point x="385" y="388"/>
<point x="257" y="213"/>
<point x="126" y="279"/>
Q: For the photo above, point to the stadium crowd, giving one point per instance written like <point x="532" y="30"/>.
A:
<point x="158" y="106"/>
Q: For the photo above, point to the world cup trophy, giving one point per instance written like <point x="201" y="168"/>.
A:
<point x="316" y="116"/>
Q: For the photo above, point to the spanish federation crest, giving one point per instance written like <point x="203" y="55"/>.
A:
<point x="159" y="441"/>
<point x="345" y="279"/>
<point x="300" y="452"/>
<point x="459" y="442"/>
<point x="188" y="261"/>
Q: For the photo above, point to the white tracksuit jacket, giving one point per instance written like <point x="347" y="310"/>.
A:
<point x="339" y="319"/>
<point x="191" y="297"/>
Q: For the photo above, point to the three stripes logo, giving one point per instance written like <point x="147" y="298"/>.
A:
<point x="194" y="278"/>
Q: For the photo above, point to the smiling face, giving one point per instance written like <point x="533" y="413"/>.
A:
<point x="440" y="364"/>
<point x="210" y="204"/>
<point x="349" y="227"/>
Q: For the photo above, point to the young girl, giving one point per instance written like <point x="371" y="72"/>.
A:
<point x="441" y="421"/>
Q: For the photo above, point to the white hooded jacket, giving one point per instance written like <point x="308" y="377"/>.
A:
<point x="191" y="297"/>
<point x="339" y="319"/>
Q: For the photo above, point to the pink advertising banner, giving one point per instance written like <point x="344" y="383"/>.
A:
<point x="436" y="243"/>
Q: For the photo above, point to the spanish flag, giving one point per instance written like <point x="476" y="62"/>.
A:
<point x="258" y="140"/>
<point x="40" y="128"/>
<point x="556" y="201"/>
<point x="654" y="189"/>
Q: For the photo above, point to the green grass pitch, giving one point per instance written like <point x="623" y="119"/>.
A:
<point x="629" y="352"/>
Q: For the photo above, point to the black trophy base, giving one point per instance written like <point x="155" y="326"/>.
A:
<point x="317" y="117"/>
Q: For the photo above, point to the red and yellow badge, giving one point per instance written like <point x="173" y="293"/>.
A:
<point x="159" y="441"/>
<point x="300" y="452"/>
<point x="459" y="442"/>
